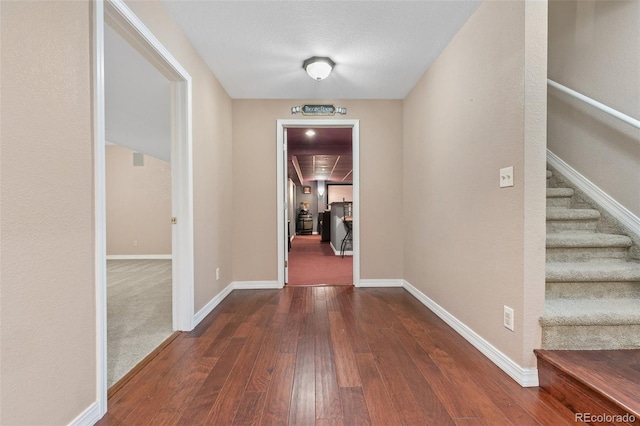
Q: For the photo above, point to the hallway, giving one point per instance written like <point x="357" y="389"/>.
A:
<point x="326" y="355"/>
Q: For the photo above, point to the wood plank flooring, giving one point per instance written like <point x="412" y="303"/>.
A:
<point x="326" y="356"/>
<point x="595" y="381"/>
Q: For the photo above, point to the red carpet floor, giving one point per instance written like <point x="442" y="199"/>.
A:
<point x="312" y="262"/>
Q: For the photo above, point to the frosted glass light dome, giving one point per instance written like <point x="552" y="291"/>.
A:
<point x="318" y="68"/>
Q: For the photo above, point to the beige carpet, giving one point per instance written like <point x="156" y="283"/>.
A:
<point x="138" y="312"/>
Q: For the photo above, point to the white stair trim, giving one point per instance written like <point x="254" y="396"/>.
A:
<point x="604" y="200"/>
<point x="526" y="377"/>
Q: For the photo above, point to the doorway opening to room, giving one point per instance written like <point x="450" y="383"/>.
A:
<point x="319" y="181"/>
<point x="138" y="206"/>
<point x="127" y="60"/>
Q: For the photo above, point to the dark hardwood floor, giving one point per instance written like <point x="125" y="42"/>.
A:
<point x="595" y="381"/>
<point x="326" y="356"/>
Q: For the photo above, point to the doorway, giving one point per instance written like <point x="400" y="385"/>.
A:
<point x="320" y="168"/>
<point x="117" y="15"/>
<point x="138" y="207"/>
<point x="288" y="216"/>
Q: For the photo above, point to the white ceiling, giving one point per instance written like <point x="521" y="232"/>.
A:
<point x="256" y="50"/>
<point x="138" y="100"/>
<point x="381" y="48"/>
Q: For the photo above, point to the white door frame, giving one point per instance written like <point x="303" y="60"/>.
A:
<point x="282" y="200"/>
<point x="119" y="16"/>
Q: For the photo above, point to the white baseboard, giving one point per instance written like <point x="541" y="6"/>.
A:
<point x="206" y="310"/>
<point x="381" y="283"/>
<point x="235" y="285"/>
<point x="337" y="252"/>
<point x="255" y="285"/>
<point x="614" y="208"/>
<point x="139" y="257"/>
<point x="88" y="417"/>
<point x="526" y="377"/>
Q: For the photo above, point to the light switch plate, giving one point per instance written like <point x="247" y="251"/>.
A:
<point x="506" y="177"/>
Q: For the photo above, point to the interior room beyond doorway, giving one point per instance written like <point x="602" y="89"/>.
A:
<point x="320" y="199"/>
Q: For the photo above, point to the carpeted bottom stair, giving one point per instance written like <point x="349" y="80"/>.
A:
<point x="593" y="284"/>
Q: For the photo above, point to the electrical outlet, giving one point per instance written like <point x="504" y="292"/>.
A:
<point x="506" y="177"/>
<point x="135" y="243"/>
<point x="217" y="274"/>
<point x="508" y="318"/>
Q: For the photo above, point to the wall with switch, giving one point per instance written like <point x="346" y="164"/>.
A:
<point x="474" y="147"/>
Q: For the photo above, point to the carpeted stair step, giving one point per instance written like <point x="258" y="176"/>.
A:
<point x="583" y="324"/>
<point x="572" y="220"/>
<point x="549" y="174"/>
<point x="592" y="280"/>
<point x="593" y="272"/>
<point x="559" y="197"/>
<point x="585" y="247"/>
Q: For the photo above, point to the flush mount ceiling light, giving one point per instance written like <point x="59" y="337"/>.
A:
<point x="318" y="67"/>
<point x="310" y="133"/>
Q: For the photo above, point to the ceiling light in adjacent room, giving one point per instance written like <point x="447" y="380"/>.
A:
<point x="318" y="67"/>
<point x="310" y="133"/>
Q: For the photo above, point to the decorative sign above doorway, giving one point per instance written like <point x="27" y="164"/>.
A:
<point x="318" y="110"/>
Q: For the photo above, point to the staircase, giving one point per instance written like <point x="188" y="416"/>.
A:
<point x="590" y="359"/>
<point x="593" y="281"/>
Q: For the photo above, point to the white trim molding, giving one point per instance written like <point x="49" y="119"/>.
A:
<point x="88" y="417"/>
<point x="281" y="126"/>
<point x="212" y="304"/>
<point x="235" y="285"/>
<point x="139" y="257"/>
<point x="526" y="377"/>
<point x="382" y="283"/>
<point x="604" y="200"/>
<point x="118" y="15"/>
<point x="100" y="218"/>
<point x="255" y="285"/>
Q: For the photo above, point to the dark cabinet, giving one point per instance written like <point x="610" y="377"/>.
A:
<point x="325" y="226"/>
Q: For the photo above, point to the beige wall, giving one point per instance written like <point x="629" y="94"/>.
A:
<point x="594" y="48"/>
<point x="212" y="179"/>
<point x="254" y="184"/>
<point x="47" y="304"/>
<point x="138" y="203"/>
<point x="47" y="298"/>
<point x="463" y="121"/>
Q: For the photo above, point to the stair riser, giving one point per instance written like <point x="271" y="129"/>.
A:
<point x="571" y="225"/>
<point x="594" y="290"/>
<point x="591" y="337"/>
<point x="581" y="397"/>
<point x="587" y="254"/>
<point x="564" y="202"/>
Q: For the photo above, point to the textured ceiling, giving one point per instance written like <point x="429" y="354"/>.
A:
<point x="382" y="48"/>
